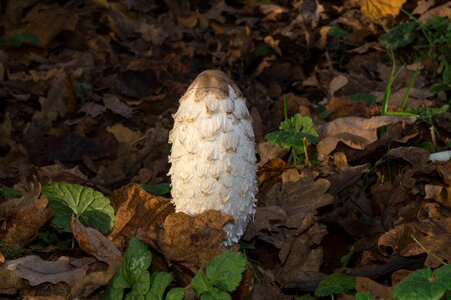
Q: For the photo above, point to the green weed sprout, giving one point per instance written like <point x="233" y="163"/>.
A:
<point x="222" y="275"/>
<point x="296" y="133"/>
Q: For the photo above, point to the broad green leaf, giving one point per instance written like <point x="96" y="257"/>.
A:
<point x="367" y="98"/>
<point x="113" y="293"/>
<point x="175" y="294"/>
<point x="159" y="281"/>
<point x="421" y="284"/>
<point x="215" y="294"/>
<point x="157" y="189"/>
<point x="399" y="36"/>
<point x="335" y="284"/>
<point x="362" y="296"/>
<point x="225" y="271"/>
<point x="134" y="266"/>
<point x="91" y="207"/>
<point x="200" y="283"/>
<point x="10" y="193"/>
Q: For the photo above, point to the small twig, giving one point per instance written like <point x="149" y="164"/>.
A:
<point x="307" y="161"/>
<point x="428" y="252"/>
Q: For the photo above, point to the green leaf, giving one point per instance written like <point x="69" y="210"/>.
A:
<point x="367" y="98"/>
<point x="175" y="294"/>
<point x="10" y="193"/>
<point x="262" y="50"/>
<point x="159" y="281"/>
<point x="200" y="283"/>
<point x="421" y="284"/>
<point x="215" y="294"/>
<point x="157" y="189"/>
<point x="337" y="32"/>
<point x="225" y="271"/>
<point x="399" y="36"/>
<point x="290" y="139"/>
<point x="137" y="260"/>
<point x="363" y="296"/>
<point x="335" y="284"/>
<point x="18" y="39"/>
<point x="91" y="207"/>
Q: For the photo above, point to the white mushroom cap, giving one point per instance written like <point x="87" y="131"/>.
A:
<point x="213" y="152"/>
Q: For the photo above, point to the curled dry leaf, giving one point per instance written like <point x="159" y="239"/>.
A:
<point x="355" y="132"/>
<point x="37" y="271"/>
<point x="433" y="237"/>
<point x="136" y="209"/>
<point x="438" y="193"/>
<point x="93" y="242"/>
<point x="23" y="216"/>
<point x="417" y="157"/>
<point x="193" y="240"/>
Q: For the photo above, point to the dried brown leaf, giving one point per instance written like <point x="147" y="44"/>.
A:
<point x="368" y="286"/>
<point x="193" y="240"/>
<point x="23" y="216"/>
<point x="37" y="271"/>
<point x="354" y="132"/>
<point x="136" y="209"/>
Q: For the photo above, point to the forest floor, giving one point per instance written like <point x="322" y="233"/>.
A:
<point x="88" y="89"/>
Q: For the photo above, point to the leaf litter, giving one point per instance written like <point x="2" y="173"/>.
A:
<point x="87" y="96"/>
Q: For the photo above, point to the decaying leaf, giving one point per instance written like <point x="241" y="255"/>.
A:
<point x="93" y="242"/>
<point x="37" y="271"/>
<point x="193" y="240"/>
<point x="22" y="217"/>
<point x="354" y="132"/>
<point x="136" y="209"/>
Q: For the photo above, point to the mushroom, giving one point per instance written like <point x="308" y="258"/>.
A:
<point x="213" y="163"/>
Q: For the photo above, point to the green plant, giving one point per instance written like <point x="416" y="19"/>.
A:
<point x="222" y="275"/>
<point x="157" y="189"/>
<point x="10" y="193"/>
<point x="295" y="133"/>
<point x="335" y="284"/>
<point x="388" y="88"/>
<point x="367" y="98"/>
<point x="346" y="258"/>
<point x="83" y="90"/>
<point x="424" y="284"/>
<point x="91" y="207"/>
<point x="436" y="32"/>
<point x="132" y="281"/>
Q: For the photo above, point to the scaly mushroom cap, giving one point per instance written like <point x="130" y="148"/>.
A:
<point x="213" y="154"/>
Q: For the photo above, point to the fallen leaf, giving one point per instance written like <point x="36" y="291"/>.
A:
<point x="193" y="240"/>
<point x="23" y="216"/>
<point x="354" y="132"/>
<point x="376" y="10"/>
<point x="94" y="243"/>
<point x="37" y="271"/>
<point x="368" y="286"/>
<point x="10" y="283"/>
<point x="136" y="209"/>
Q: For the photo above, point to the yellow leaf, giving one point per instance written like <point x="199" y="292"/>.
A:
<point x="376" y="10"/>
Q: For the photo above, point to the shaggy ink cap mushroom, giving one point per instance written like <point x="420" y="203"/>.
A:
<point x="213" y="163"/>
